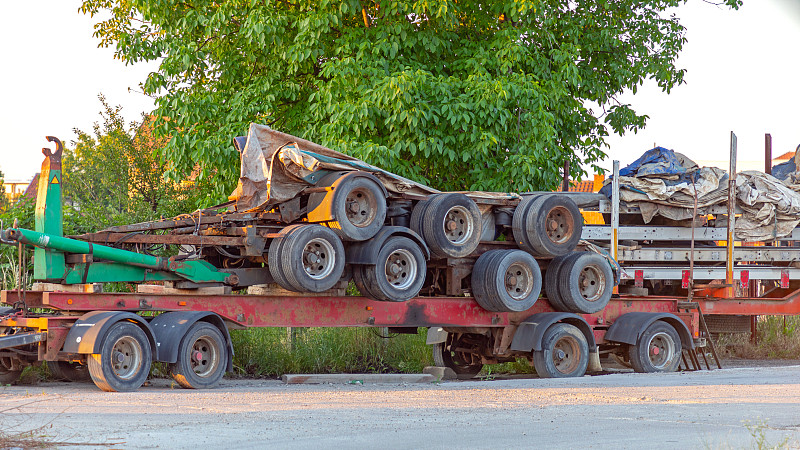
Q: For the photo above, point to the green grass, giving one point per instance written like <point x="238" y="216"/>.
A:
<point x="777" y="339"/>
<point x="271" y="351"/>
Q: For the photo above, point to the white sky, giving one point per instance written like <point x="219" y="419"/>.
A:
<point x="743" y="76"/>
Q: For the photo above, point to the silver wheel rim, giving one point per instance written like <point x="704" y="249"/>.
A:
<point x="319" y="258"/>
<point x="401" y="269"/>
<point x="566" y="355"/>
<point x="126" y="357"/>
<point x="661" y="350"/>
<point x="591" y="282"/>
<point x="458" y="225"/>
<point x="559" y="225"/>
<point x="519" y="281"/>
<point x="205" y="356"/>
<point x="361" y="207"/>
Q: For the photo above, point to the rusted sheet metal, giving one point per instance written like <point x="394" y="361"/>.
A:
<point x="207" y="218"/>
<point x="788" y="304"/>
<point x="103" y="237"/>
<point x="298" y="311"/>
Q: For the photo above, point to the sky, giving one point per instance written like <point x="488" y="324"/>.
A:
<point x="743" y="76"/>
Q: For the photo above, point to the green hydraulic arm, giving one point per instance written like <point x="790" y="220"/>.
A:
<point x="113" y="264"/>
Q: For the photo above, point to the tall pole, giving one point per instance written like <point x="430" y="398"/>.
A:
<point x="565" y="180"/>
<point x="615" y="211"/>
<point x="730" y="291"/>
<point x="768" y="154"/>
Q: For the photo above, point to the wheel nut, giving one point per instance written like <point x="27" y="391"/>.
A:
<point x="451" y="225"/>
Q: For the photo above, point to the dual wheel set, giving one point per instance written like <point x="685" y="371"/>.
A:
<point x="564" y="351"/>
<point x="387" y="259"/>
<point x="125" y="354"/>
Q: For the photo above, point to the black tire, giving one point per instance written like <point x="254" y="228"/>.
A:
<point x="551" y="280"/>
<point x="68" y="371"/>
<point x="124" y="359"/>
<point x="312" y="259"/>
<point x="398" y="273"/>
<point x="481" y="280"/>
<point x="465" y="365"/>
<point x="417" y="214"/>
<point x="274" y="258"/>
<point x="202" y="357"/>
<point x="553" y="225"/>
<point x="513" y="282"/>
<point x="8" y="376"/>
<point x="565" y="352"/>
<point x="451" y="225"/>
<point x="358" y="205"/>
<point x="585" y="283"/>
<point x="518" y="223"/>
<point x="658" y="349"/>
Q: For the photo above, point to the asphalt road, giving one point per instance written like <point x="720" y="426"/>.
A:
<point x="729" y="408"/>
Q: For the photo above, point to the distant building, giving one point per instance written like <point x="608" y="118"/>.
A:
<point x="15" y="188"/>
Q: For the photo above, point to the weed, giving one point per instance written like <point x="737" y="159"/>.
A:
<point x="778" y="338"/>
<point x="274" y="351"/>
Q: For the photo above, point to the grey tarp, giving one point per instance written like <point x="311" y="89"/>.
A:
<point x="276" y="166"/>
<point x="770" y="208"/>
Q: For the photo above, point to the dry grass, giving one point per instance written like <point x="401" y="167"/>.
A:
<point x="778" y="338"/>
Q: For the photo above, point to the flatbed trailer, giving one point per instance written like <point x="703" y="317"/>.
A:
<point x="114" y="337"/>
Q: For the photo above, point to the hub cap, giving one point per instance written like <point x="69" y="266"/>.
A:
<point x="319" y="258"/>
<point x="401" y="269"/>
<point x="458" y="225"/>
<point x="361" y="207"/>
<point x="126" y="357"/>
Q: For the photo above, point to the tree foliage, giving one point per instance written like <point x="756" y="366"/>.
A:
<point x="460" y="95"/>
<point x="115" y="176"/>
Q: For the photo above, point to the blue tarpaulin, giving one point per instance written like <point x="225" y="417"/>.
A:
<point x="657" y="161"/>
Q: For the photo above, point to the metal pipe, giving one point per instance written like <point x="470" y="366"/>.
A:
<point x="731" y="292"/>
<point x="615" y="211"/>
<point x="768" y="154"/>
<point x="68" y="245"/>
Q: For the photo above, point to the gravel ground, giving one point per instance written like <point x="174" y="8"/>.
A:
<point x="729" y="408"/>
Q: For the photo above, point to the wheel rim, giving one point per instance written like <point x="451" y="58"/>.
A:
<point x="661" y="350"/>
<point x="566" y="355"/>
<point x="559" y="225"/>
<point x="205" y="356"/>
<point x="519" y="281"/>
<point x="126" y="357"/>
<point x="591" y="283"/>
<point x="361" y="207"/>
<point x="319" y="258"/>
<point x="458" y="225"/>
<point x="401" y="269"/>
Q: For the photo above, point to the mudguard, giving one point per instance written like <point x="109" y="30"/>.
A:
<point x="436" y="335"/>
<point x="170" y="328"/>
<point x="87" y="334"/>
<point x="628" y="327"/>
<point x="530" y="331"/>
<point x="364" y="252"/>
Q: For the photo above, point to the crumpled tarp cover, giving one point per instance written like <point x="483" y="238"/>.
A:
<point x="770" y="209"/>
<point x="276" y="166"/>
<point x="662" y="182"/>
<point x="658" y="161"/>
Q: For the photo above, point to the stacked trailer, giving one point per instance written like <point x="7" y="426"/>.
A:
<point x="423" y="266"/>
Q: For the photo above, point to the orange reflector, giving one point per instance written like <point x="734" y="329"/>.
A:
<point x="697" y="334"/>
<point x="181" y="303"/>
<point x="369" y="308"/>
<point x="69" y="301"/>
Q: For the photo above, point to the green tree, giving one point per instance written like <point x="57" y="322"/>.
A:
<point x="115" y="176"/>
<point x="468" y="94"/>
<point x="4" y="203"/>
